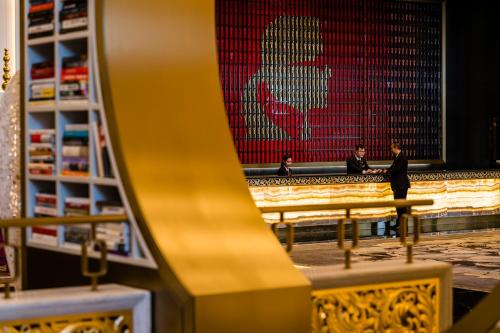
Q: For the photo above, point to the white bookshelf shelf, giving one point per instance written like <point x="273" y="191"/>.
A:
<point x="56" y="115"/>
<point x="42" y="177"/>
<point x="43" y="80"/>
<point x="40" y="106"/>
<point x="40" y="40"/>
<point x="73" y="105"/>
<point x="92" y="254"/>
<point x="104" y="181"/>
<point x="70" y="179"/>
<point x="73" y="35"/>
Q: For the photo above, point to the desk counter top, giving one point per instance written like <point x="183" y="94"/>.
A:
<point x="328" y="179"/>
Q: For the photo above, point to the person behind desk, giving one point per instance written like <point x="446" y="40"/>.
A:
<point x="398" y="175"/>
<point x="356" y="164"/>
<point x="285" y="170"/>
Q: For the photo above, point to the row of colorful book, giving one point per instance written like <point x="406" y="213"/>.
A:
<point x="45" y="206"/>
<point x="41" y="18"/>
<point x="115" y="235"/>
<point x="74" y="78"/>
<point x="42" y="91"/>
<point x="41" y="152"/>
<point x="75" y="150"/>
<point x="73" y="15"/>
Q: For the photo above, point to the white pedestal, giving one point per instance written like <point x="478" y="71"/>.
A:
<point x="79" y="300"/>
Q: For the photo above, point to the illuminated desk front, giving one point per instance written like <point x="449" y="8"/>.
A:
<point x="461" y="193"/>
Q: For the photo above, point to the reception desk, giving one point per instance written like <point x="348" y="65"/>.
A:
<point x="455" y="193"/>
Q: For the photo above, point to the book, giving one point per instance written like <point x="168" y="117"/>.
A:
<point x="41" y="152"/>
<point x="74" y="23"/>
<point x="47" y="211"/>
<point x="42" y="91"/>
<point x="41" y="168"/>
<point x="42" y="138"/>
<point x="42" y="70"/>
<point x="76" y="234"/>
<point x="73" y="16"/>
<point x="41" y="19"/>
<point x="76" y="206"/>
<point x="45" y="235"/>
<point x="98" y="149"/>
<point x="40" y="28"/>
<point x="76" y="127"/>
<point x="41" y="7"/>
<point x="45" y="206"/>
<point x="75" y="151"/>
<point x="116" y="235"/>
<point x="74" y="78"/>
<point x="46" y="200"/>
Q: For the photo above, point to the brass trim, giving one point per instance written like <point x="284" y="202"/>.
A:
<point x="347" y="206"/>
<point x="290" y="225"/>
<point x="70" y="220"/>
<point x="103" y="263"/>
<point x="404" y="234"/>
<point x="341" y="236"/>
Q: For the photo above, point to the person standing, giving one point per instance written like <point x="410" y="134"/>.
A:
<point x="398" y="175"/>
<point x="285" y="170"/>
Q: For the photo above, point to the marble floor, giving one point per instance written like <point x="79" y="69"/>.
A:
<point x="475" y="255"/>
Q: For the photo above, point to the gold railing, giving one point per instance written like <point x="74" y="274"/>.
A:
<point x="348" y="207"/>
<point x="93" y="220"/>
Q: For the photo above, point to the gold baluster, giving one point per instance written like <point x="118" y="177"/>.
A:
<point x="103" y="263"/>
<point x="404" y="234"/>
<point x="6" y="69"/>
<point x="341" y="236"/>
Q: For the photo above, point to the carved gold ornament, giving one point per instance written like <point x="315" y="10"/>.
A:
<point x="106" y="322"/>
<point x="399" y="307"/>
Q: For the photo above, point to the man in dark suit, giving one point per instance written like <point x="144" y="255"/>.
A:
<point x="356" y="164"/>
<point x="398" y="175"/>
<point x="285" y="170"/>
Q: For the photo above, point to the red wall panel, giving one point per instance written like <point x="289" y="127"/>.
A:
<point x="314" y="78"/>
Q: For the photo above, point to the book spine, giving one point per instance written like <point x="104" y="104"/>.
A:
<point x="75" y="151"/>
<point x="80" y="22"/>
<point x="41" y="138"/>
<point x="41" y="28"/>
<point x="42" y="7"/>
<point x="46" y="211"/>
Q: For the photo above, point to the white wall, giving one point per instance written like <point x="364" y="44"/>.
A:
<point x="9" y="32"/>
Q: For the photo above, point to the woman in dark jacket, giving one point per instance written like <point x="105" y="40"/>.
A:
<point x="284" y="170"/>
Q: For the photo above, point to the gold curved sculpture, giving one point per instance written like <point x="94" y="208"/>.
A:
<point x="219" y="262"/>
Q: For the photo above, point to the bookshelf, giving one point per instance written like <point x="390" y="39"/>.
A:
<point x="69" y="166"/>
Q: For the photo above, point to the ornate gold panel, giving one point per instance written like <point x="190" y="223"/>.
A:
<point x="396" y="307"/>
<point x="104" y="322"/>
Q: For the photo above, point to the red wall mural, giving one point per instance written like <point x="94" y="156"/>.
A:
<point x="315" y="78"/>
